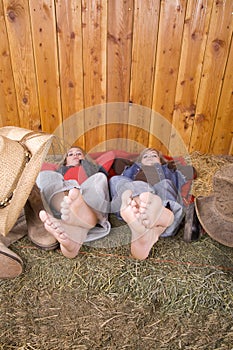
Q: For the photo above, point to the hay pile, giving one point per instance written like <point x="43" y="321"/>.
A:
<point x="179" y="298"/>
<point x="206" y="165"/>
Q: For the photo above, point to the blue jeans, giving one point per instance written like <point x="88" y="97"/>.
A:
<point x="165" y="189"/>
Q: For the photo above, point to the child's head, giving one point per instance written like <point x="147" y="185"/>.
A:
<point x="74" y="155"/>
<point x="150" y="156"/>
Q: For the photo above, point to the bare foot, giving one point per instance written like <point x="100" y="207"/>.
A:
<point x="75" y="212"/>
<point x="151" y="212"/>
<point x="61" y="231"/>
<point x="130" y="213"/>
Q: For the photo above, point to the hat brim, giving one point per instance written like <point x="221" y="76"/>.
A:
<point x="212" y="222"/>
<point x="38" y="146"/>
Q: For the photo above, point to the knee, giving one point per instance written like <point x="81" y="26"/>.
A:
<point x="101" y="178"/>
<point x="114" y="181"/>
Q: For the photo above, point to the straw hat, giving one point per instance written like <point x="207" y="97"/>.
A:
<point x="22" y="153"/>
<point x="215" y="212"/>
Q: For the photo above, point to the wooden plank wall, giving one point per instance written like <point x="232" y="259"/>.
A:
<point x="120" y="73"/>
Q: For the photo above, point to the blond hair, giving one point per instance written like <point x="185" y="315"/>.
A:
<point x="149" y="149"/>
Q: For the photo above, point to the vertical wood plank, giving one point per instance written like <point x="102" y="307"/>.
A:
<point x="220" y="34"/>
<point x="230" y="151"/>
<point x="94" y="22"/>
<point x="46" y="59"/>
<point x="19" y="34"/>
<point x="191" y="63"/>
<point x="145" y="30"/>
<point x="71" y="68"/>
<point x="223" y="130"/>
<point x="171" y="24"/>
<point x="120" y="18"/>
<point x="8" y="105"/>
<point x="119" y="48"/>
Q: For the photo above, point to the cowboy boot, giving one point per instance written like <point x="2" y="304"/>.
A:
<point x="18" y="231"/>
<point x="192" y="227"/>
<point x="36" y="231"/>
<point x="11" y="265"/>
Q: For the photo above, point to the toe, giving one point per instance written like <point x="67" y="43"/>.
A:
<point x="65" y="210"/>
<point x="66" y="201"/>
<point x="43" y="215"/>
<point x="65" y="216"/>
<point x="73" y="194"/>
<point x="126" y="197"/>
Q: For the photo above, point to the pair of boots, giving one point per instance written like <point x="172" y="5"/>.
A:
<point x="28" y="223"/>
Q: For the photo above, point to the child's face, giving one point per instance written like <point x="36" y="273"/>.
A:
<point x="74" y="155"/>
<point x="150" y="158"/>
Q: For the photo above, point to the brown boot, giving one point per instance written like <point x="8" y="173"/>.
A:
<point x="11" y="264"/>
<point x="18" y="231"/>
<point x="36" y="231"/>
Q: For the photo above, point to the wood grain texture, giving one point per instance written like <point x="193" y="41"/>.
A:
<point x="216" y="53"/>
<point x="21" y="51"/>
<point x="171" y="22"/>
<point x="46" y="59"/>
<point x="119" y="46"/>
<point x="8" y="103"/>
<point x="119" y="51"/>
<point x="221" y="140"/>
<point x="94" y="23"/>
<point x="146" y="14"/>
<point x="195" y="34"/>
<point x="69" y="29"/>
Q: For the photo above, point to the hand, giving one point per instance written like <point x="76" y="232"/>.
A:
<point x="171" y="165"/>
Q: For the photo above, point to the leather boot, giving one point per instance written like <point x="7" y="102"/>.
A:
<point x="192" y="227"/>
<point x="11" y="265"/>
<point x="18" y="231"/>
<point x="36" y="231"/>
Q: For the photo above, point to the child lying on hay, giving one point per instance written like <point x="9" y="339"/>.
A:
<point x="152" y="188"/>
<point x="85" y="206"/>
